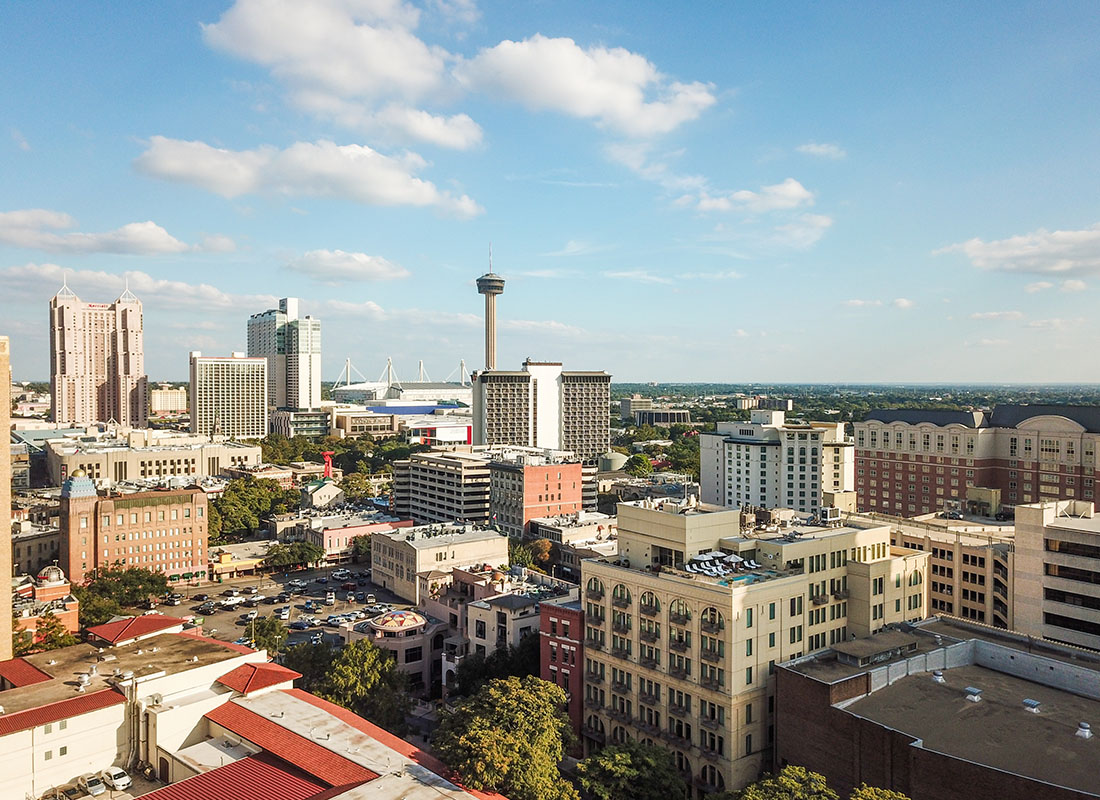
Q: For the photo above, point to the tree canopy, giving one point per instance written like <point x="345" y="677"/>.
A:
<point x="632" y="769"/>
<point x="50" y="635"/>
<point x="247" y="501"/>
<point x="476" y="669"/>
<point x="638" y="465"/>
<point x="293" y="554"/>
<point x="360" y="549"/>
<point x="116" y="588"/>
<point x="509" y="737"/>
<point x="268" y="634"/>
<point x="791" y="783"/>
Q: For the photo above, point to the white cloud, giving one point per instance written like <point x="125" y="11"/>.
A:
<point x="903" y="302"/>
<point x="822" y="150"/>
<point x="1054" y="324"/>
<point x="395" y="121"/>
<point x="805" y="231"/>
<point x="1038" y="286"/>
<point x="639" y="158"/>
<point x="20" y="140"/>
<point x="783" y="196"/>
<point x="36" y="228"/>
<point x="992" y="342"/>
<point x="1074" y="285"/>
<point x="461" y="11"/>
<point x="32" y="280"/>
<point x="542" y="327"/>
<point x="727" y="275"/>
<point x="740" y="333"/>
<point x="352" y="172"/>
<point x="857" y="303"/>
<point x="217" y="243"/>
<point x="577" y="247"/>
<point x="997" y="315"/>
<point x="620" y="90"/>
<point x="337" y="266"/>
<point x="1040" y="252"/>
<point x="638" y="276"/>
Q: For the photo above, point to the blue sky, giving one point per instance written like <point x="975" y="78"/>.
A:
<point x="706" y="191"/>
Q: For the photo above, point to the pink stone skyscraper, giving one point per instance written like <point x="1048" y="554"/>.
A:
<point x="97" y="362"/>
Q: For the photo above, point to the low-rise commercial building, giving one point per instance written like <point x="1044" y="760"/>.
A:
<point x="414" y="640"/>
<point x="34" y="546"/>
<point x="48" y="592"/>
<point x="398" y="556"/>
<point x="685" y="625"/>
<point x="281" y="475"/>
<point x="944" y="708"/>
<point x="167" y="401"/>
<point x="561" y="654"/>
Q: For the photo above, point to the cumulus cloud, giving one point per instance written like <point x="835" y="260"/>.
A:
<point x="620" y="90"/>
<point x="352" y="172"/>
<point x="783" y="196"/>
<point x="1038" y="286"/>
<point x="337" y="266"/>
<point x="804" y="231"/>
<point x="997" y="315"/>
<point x="903" y="302"/>
<point x="822" y="150"/>
<point x="1041" y="252"/>
<point x="461" y="11"/>
<point x="29" y="279"/>
<point x="1074" y="285"/>
<point x="38" y="229"/>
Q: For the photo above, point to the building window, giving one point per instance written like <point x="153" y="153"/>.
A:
<point x="413" y="655"/>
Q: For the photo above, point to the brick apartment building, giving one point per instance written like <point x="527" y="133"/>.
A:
<point x="561" y="654"/>
<point x="916" y="461"/>
<point x="526" y="488"/>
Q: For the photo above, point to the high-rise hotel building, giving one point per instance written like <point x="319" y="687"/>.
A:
<point x="684" y="627"/>
<point x="229" y="395"/>
<point x="544" y="406"/>
<point x="292" y="347"/>
<point x="97" y="362"/>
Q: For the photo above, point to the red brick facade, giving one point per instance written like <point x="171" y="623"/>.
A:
<point x="561" y="654"/>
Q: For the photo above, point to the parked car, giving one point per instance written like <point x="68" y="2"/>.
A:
<point x="172" y="601"/>
<point x="231" y="593"/>
<point x="251" y="615"/>
<point x="70" y="791"/>
<point x="322" y="579"/>
<point x="283" y="613"/>
<point x="300" y="625"/>
<point x="371" y="599"/>
<point x="330" y="599"/>
<point x="348" y="586"/>
<point x="201" y="597"/>
<point x="298" y="583"/>
<point x="91" y="784"/>
<point x="361" y="597"/>
<point x="116" y="778"/>
<point x="244" y="640"/>
<point x="251" y="590"/>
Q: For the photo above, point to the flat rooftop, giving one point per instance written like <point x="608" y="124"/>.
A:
<point x="425" y="536"/>
<point x="1080" y="524"/>
<point x="169" y="653"/>
<point x="997" y="732"/>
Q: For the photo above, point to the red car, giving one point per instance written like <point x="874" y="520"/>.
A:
<point x="349" y="586"/>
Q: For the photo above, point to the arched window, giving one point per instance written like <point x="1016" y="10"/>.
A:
<point x="683" y="763"/>
<point x="619" y="735"/>
<point x="915" y="578"/>
<point x="679" y="612"/>
<point x="711" y="777"/>
<point x="595" y="588"/>
<point x="711" y="620"/>
<point x="649" y="604"/>
<point x="595" y="725"/>
<point x="620" y="596"/>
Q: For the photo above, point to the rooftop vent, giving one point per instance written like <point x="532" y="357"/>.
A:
<point x="1084" y="730"/>
<point x="973" y="694"/>
<point x="1031" y="705"/>
<point x="937" y="676"/>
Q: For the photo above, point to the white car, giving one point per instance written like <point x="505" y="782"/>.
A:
<point x="283" y="613"/>
<point x="91" y="784"/>
<point x="298" y="583"/>
<point x="116" y="778"/>
<point x="251" y="615"/>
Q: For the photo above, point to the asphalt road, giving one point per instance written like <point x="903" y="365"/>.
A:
<point x="229" y="625"/>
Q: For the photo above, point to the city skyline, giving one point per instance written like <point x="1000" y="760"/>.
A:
<point x="656" y="186"/>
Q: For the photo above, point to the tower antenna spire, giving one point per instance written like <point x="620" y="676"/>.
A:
<point x="490" y="256"/>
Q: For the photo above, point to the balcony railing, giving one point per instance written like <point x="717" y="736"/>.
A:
<point x="648" y="727"/>
<point x="710" y="755"/>
<point x="840" y="594"/>
<point x="594" y="594"/>
<point x="620" y="652"/>
<point x="710" y="722"/>
<point x="620" y="687"/>
<point x="819" y="599"/>
<point x="618" y="713"/>
<point x="649" y="636"/>
<point x="620" y="602"/>
<point x="678" y="672"/>
<point x="648" y="699"/>
<point x="595" y="734"/>
<point x="620" y="627"/>
<point x="593" y="677"/>
<point x="594" y="619"/>
<point x="648" y="610"/>
<point x="679" y="710"/>
<point x="676" y="738"/>
<point x="710" y="626"/>
<point x="678" y="619"/>
<point x="592" y="702"/>
<point x="593" y="644"/>
<point x="679" y="645"/>
<point x="710" y="655"/>
<point x="648" y="662"/>
<point x="710" y="683"/>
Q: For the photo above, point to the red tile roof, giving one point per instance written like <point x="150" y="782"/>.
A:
<point x="305" y="754"/>
<point x="259" y="777"/>
<point x="253" y="677"/>
<point x="396" y="743"/>
<point x="20" y="672"/>
<point x="62" y="709"/>
<point x="123" y="630"/>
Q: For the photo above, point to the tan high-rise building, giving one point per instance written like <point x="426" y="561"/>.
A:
<point x="229" y="395"/>
<point x="684" y="626"/>
<point x="97" y="362"/>
<point x="5" y="500"/>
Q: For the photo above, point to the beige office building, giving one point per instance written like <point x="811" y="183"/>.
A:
<point x="1057" y="588"/>
<point x="398" y="556"/>
<point x="167" y="400"/>
<point x="971" y="564"/>
<point x="97" y="362"/>
<point x="229" y="395"/>
<point x="145" y="454"/>
<point x="685" y="625"/>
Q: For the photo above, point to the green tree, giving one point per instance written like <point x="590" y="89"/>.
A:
<point x="268" y="634"/>
<point x="509" y="738"/>
<point x="638" y="465"/>
<point x="360" y="549"/>
<point x="52" y="633"/>
<point x="632" y="769"/>
<point x="519" y="554"/>
<point x="357" y="486"/>
<point x="95" y="609"/>
<point x="282" y="557"/>
<point x="792" y="783"/>
<point x="540" y="551"/>
<point x="313" y="661"/>
<point x="22" y="641"/>
<point x="865" y="792"/>
<point x="366" y="679"/>
<point x="476" y="669"/>
<point x="128" y="586"/>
